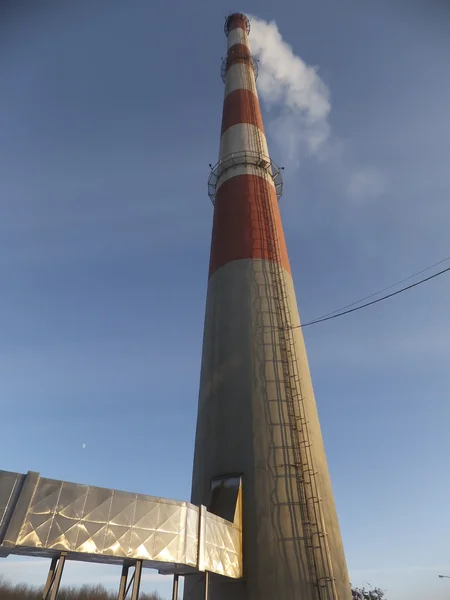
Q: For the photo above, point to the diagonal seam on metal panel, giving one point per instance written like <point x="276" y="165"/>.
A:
<point x="21" y="508"/>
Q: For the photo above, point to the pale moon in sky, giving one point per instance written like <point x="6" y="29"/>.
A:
<point x="83" y="445"/>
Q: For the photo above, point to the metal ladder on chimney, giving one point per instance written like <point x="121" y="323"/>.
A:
<point x="305" y="475"/>
<point x="313" y="524"/>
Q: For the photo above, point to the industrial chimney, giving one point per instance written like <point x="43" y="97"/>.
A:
<point x="257" y="418"/>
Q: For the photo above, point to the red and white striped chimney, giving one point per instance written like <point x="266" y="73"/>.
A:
<point x="243" y="176"/>
<point x="257" y="415"/>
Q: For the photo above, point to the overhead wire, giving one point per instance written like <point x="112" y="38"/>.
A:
<point x="389" y="287"/>
<point x="346" y="312"/>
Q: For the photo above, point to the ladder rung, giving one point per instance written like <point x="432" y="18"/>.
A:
<point x="325" y="580"/>
<point x="319" y="534"/>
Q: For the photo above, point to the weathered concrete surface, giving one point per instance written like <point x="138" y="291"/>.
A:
<point x="243" y="428"/>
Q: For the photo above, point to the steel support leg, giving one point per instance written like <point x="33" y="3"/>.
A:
<point x="206" y="585"/>
<point x="123" y="582"/>
<point x="137" y="580"/>
<point x="175" y="587"/>
<point x="50" y="578"/>
<point x="54" y="577"/>
<point x="58" y="575"/>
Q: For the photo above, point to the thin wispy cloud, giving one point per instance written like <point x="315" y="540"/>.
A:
<point x="366" y="182"/>
<point x="299" y="109"/>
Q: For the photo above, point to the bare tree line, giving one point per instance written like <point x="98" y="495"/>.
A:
<point x="22" y="591"/>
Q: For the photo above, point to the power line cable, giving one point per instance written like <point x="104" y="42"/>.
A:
<point x="346" y="312"/>
<point x="384" y="289"/>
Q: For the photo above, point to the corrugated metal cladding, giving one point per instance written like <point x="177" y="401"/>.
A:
<point x="44" y="517"/>
<point x="257" y="414"/>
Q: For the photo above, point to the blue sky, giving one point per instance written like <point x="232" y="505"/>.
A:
<point x="109" y="116"/>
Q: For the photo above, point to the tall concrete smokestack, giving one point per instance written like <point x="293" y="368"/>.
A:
<point x="257" y="416"/>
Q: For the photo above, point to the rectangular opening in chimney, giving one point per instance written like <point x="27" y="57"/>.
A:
<point x="224" y="496"/>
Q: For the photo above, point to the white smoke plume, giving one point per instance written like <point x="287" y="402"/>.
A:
<point x="293" y="89"/>
<point x="299" y="107"/>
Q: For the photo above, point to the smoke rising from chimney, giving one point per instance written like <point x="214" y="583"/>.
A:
<point x="293" y="89"/>
<point x="298" y="101"/>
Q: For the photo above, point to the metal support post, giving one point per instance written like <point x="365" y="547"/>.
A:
<point x="137" y="580"/>
<point x="58" y="575"/>
<point x="50" y="578"/>
<point x="206" y="585"/>
<point x="123" y="581"/>
<point x="54" y="577"/>
<point x="175" y="587"/>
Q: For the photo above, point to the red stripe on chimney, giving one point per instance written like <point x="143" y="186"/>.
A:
<point x="241" y="106"/>
<point x="241" y="227"/>
<point x="236" y="20"/>
<point x="238" y="53"/>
